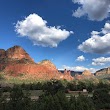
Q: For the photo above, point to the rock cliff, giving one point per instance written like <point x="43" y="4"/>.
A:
<point x="14" y="53"/>
<point x="103" y="71"/>
<point x="15" y="61"/>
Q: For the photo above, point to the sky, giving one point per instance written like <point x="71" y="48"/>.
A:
<point x="73" y="34"/>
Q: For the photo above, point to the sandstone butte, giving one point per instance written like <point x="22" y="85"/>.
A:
<point x="15" y="61"/>
<point x="86" y="74"/>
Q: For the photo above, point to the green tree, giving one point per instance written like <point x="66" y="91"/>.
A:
<point x="72" y="103"/>
<point x="19" y="100"/>
<point x="57" y="101"/>
<point x="53" y="86"/>
<point x="63" y="100"/>
<point x="101" y="98"/>
<point x="3" y="102"/>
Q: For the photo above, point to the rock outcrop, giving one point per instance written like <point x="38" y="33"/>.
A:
<point x="67" y="74"/>
<point x="48" y="64"/>
<point x="16" y="62"/>
<point x="103" y="71"/>
<point x="15" y="53"/>
<point x="86" y="73"/>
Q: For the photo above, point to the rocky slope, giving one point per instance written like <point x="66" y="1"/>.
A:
<point x="16" y="62"/>
<point x="48" y="64"/>
<point x="103" y="71"/>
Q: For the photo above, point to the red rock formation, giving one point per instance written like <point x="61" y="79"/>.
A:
<point x="17" y="52"/>
<point x="48" y="64"/>
<point x="15" y="61"/>
<point x="67" y="74"/>
<point x="86" y="73"/>
<point x="29" y="69"/>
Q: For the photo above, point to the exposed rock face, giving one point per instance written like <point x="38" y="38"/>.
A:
<point x="67" y="75"/>
<point x="103" y="71"/>
<point x="86" y="73"/>
<point x="33" y="70"/>
<point x="14" y="54"/>
<point x="15" y="61"/>
<point x="17" y="52"/>
<point x="48" y="64"/>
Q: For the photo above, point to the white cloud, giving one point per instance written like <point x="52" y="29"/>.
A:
<point x="101" y="61"/>
<point x="95" y="33"/>
<point x="36" y="29"/>
<point x="93" y="9"/>
<point x="106" y="28"/>
<point x="98" y="43"/>
<point x="79" y="68"/>
<point x="81" y="58"/>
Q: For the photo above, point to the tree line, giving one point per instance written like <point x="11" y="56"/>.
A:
<point x="54" y="97"/>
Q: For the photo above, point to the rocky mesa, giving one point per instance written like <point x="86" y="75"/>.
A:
<point x="15" y="61"/>
<point x="103" y="71"/>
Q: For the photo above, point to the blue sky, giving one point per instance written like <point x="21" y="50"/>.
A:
<point x="72" y="34"/>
